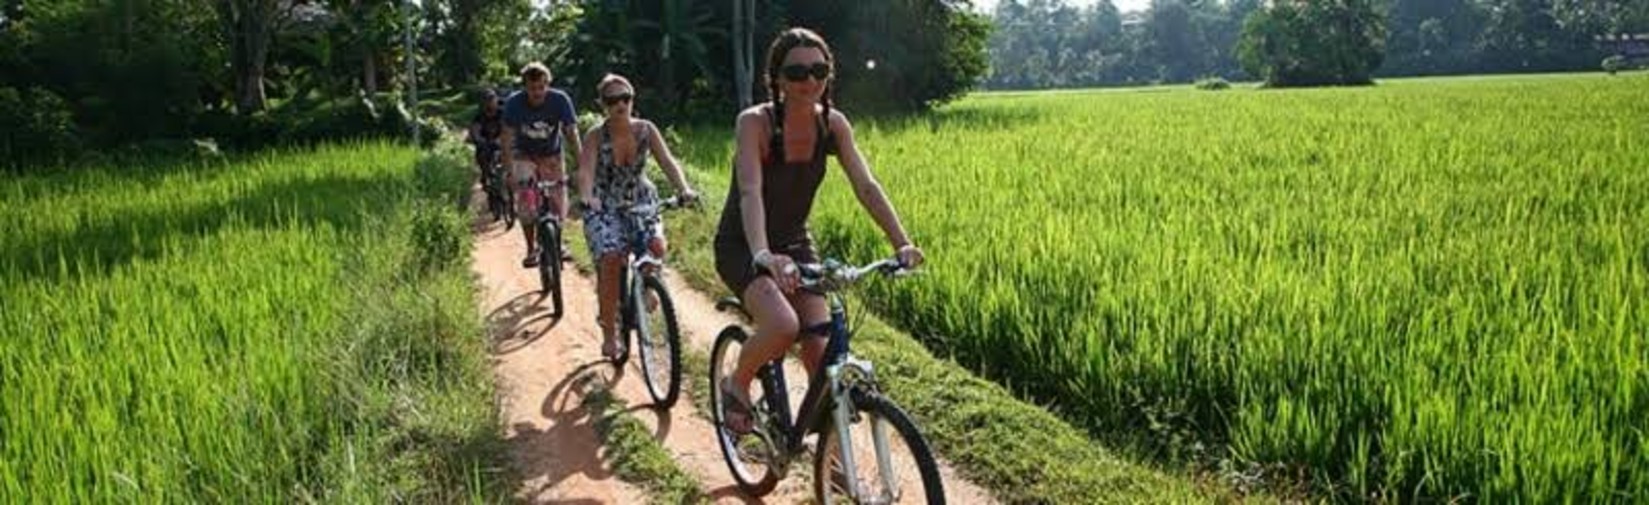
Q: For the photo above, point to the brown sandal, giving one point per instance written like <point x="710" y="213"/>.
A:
<point x="732" y="405"/>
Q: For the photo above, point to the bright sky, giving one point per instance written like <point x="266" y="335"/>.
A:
<point x="1122" y="5"/>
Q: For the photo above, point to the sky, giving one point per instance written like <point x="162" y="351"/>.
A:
<point x="1122" y="5"/>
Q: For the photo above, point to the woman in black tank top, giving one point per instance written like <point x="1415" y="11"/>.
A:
<point x="777" y="167"/>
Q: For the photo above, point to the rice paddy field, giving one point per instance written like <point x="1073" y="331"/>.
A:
<point x="265" y="329"/>
<point x="1427" y="289"/>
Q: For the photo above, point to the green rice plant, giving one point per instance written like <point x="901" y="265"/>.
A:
<point x="1433" y="288"/>
<point x="235" y="332"/>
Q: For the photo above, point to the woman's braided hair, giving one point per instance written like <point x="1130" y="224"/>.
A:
<point x="776" y="52"/>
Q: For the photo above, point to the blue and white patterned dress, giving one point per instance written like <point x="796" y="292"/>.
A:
<point x="618" y="187"/>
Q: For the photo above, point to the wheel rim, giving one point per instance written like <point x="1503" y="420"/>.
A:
<point x="741" y="453"/>
<point x="895" y="456"/>
<point x="653" y="341"/>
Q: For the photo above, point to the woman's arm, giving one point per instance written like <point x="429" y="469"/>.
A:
<point x="586" y="170"/>
<point x="672" y="169"/>
<point x="865" y="187"/>
<point x="747" y="162"/>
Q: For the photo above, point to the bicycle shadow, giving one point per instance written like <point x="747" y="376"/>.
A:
<point x="511" y="323"/>
<point x="731" y="494"/>
<point x="661" y="420"/>
<point x="569" y="446"/>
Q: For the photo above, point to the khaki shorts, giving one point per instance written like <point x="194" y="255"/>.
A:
<point x="524" y="172"/>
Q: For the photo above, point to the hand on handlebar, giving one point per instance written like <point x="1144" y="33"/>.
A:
<point x="782" y="268"/>
<point x="910" y="256"/>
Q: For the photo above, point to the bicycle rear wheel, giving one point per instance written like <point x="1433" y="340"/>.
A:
<point x="749" y="458"/>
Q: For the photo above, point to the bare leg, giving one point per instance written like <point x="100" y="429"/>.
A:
<point x="775" y="330"/>
<point x="607" y="300"/>
<point x="812" y="310"/>
<point x="549" y="169"/>
<point x="522" y="213"/>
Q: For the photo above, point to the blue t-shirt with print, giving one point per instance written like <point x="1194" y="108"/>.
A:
<point x="538" y="129"/>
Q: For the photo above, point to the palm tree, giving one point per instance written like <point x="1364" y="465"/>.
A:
<point x="682" y="30"/>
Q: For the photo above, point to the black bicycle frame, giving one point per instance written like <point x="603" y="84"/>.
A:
<point x="814" y="405"/>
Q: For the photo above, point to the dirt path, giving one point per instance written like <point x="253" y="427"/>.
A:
<point x="544" y="366"/>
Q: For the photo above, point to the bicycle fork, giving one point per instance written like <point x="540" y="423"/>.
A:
<point x="846" y="378"/>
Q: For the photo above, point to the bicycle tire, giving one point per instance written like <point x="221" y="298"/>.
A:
<point x="549" y="265"/>
<point x="878" y="406"/>
<point x="752" y="485"/>
<point x="664" y="395"/>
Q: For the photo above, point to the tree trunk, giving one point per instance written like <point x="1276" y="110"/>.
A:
<point x="369" y="70"/>
<point x="249" y="25"/>
<point x="249" y="95"/>
<point x="369" y="54"/>
<point x="741" y="51"/>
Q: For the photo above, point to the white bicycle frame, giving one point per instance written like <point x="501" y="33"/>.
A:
<point x="843" y="377"/>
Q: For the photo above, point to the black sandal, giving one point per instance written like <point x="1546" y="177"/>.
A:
<point x="732" y="405"/>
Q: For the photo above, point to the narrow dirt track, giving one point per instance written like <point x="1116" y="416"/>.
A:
<point x="544" y="367"/>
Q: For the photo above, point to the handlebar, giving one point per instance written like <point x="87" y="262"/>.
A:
<point x="833" y="275"/>
<point x="648" y="209"/>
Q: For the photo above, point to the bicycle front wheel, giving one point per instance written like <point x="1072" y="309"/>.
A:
<point x="549" y="264"/>
<point x="891" y="462"/>
<point x="658" y="339"/>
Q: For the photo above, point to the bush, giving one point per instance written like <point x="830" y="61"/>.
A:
<point x="1213" y="84"/>
<point x="439" y="237"/>
<point x="444" y="175"/>
<point x="1288" y="45"/>
<point x="35" y="127"/>
<point x="1614" y="64"/>
<point x="236" y="132"/>
<point x="303" y="122"/>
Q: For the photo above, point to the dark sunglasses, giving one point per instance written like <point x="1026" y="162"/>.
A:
<point x="799" y="72"/>
<point x="616" y="99"/>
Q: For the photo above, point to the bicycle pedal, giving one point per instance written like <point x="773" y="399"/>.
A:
<point x="763" y="451"/>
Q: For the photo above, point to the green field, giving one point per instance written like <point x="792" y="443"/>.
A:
<point x="287" y="327"/>
<point x="1430" y="288"/>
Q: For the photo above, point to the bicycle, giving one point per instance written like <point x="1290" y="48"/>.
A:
<point x="498" y="194"/>
<point x="549" y="228"/>
<point x="641" y="317"/>
<point x="842" y="396"/>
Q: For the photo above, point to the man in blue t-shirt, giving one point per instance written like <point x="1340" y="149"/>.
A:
<point x="536" y="120"/>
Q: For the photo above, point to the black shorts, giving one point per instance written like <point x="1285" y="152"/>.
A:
<point x="733" y="262"/>
<point x="484" y="155"/>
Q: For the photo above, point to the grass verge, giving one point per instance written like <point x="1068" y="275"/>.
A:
<point x="1018" y="451"/>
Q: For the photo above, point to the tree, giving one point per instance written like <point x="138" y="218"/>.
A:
<point x="10" y="11"/>
<point x="1314" y="42"/>
<point x="1048" y="43"/>
<point x="1431" y="36"/>
<point x="676" y="36"/>
<point x="474" y="38"/>
<point x="1526" y="36"/>
<point x="1612" y="17"/>
<point x="926" y="52"/>
<point x="1173" y="40"/>
<point x="744" y="50"/>
<point x="129" y="69"/>
<point x="249" y="26"/>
